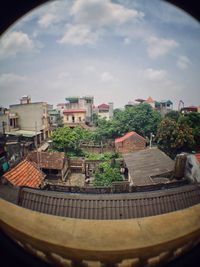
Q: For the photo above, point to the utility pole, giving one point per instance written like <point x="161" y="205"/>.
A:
<point x="151" y="136"/>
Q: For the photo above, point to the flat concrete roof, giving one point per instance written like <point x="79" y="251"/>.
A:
<point x="24" y="133"/>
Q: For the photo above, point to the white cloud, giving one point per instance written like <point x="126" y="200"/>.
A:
<point x="183" y="62"/>
<point x="102" y="13"/>
<point x="11" y="79"/>
<point x="15" y="42"/>
<point x="63" y="75"/>
<point x="160" y="46"/>
<point x="79" y="35"/>
<point x="127" y="41"/>
<point x="47" y="19"/>
<point x="107" y="77"/>
<point x="154" y="75"/>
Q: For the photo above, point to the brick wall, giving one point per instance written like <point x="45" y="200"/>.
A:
<point x="133" y="143"/>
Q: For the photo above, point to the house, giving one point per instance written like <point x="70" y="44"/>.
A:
<point x="8" y="120"/>
<point x="3" y="156"/>
<point x="104" y="111"/>
<point x="150" y="101"/>
<point x="32" y="119"/>
<point x="54" y="117"/>
<point x="163" y="106"/>
<point x="53" y="164"/>
<point x="26" y="173"/>
<point x="71" y="116"/>
<point x="189" y="109"/>
<point x="130" y="142"/>
<point x="78" y="110"/>
<point x="145" y="164"/>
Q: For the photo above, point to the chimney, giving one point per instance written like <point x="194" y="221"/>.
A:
<point x="180" y="163"/>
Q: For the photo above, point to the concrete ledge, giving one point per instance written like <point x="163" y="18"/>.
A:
<point x="133" y="242"/>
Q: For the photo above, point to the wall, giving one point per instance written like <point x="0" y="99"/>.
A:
<point x="31" y="113"/>
<point x="120" y="243"/>
<point x="104" y="114"/>
<point x="131" y="144"/>
<point x="4" y="118"/>
<point x="76" y="117"/>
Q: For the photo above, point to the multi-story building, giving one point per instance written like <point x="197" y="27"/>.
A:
<point x="104" y="111"/>
<point x="54" y="117"/>
<point x="77" y="110"/>
<point x="163" y="106"/>
<point x="30" y="118"/>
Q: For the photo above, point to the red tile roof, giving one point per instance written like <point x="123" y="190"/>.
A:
<point x="26" y="173"/>
<point x="103" y="106"/>
<point x="48" y="160"/>
<point x="74" y="111"/>
<point x="149" y="100"/>
<point x="127" y="135"/>
<point x="198" y="157"/>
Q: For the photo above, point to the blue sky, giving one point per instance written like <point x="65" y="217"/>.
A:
<point x="116" y="51"/>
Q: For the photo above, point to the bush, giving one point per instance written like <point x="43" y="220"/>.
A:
<point x="106" y="174"/>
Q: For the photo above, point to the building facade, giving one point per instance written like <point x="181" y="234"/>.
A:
<point x="31" y="117"/>
<point x="78" y="110"/>
<point x="104" y="111"/>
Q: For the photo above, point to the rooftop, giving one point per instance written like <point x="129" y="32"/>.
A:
<point x="144" y="164"/>
<point x="48" y="160"/>
<point x="198" y="157"/>
<point x="26" y="173"/>
<point x="150" y="100"/>
<point x="103" y="106"/>
<point x="127" y="135"/>
<point x="24" y="133"/>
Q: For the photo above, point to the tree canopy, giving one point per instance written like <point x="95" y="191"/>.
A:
<point x="174" y="137"/>
<point x="106" y="174"/>
<point x="68" y="140"/>
<point x="139" y="118"/>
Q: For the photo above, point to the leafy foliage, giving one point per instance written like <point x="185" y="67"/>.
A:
<point x="68" y="140"/>
<point x="174" y="137"/>
<point x="103" y="156"/>
<point x="193" y="121"/>
<point x="106" y="174"/>
<point x="140" y="118"/>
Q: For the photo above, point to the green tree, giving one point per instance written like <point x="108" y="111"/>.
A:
<point x="193" y="121"/>
<point x="106" y="174"/>
<point x="174" y="137"/>
<point x="173" y="114"/>
<point x="68" y="140"/>
<point x="140" y="118"/>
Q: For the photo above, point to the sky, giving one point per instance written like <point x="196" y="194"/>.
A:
<point x="114" y="50"/>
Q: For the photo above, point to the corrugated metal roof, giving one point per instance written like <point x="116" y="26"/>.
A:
<point x="110" y="206"/>
<point x="146" y="163"/>
<point x="26" y="173"/>
<point x="127" y="135"/>
<point x="48" y="160"/>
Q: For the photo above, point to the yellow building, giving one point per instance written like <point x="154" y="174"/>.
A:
<point x="74" y="116"/>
